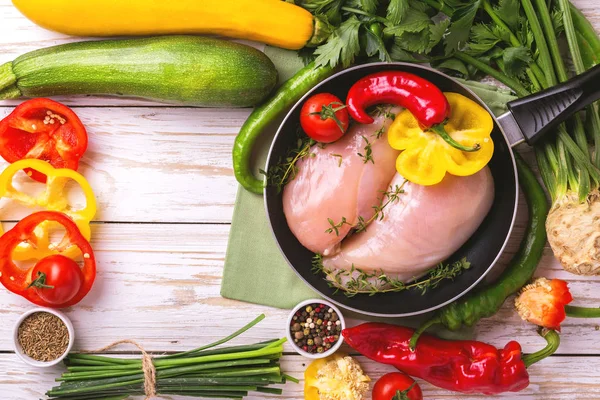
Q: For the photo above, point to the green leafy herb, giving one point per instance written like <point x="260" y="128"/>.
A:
<point x="437" y="32"/>
<point x="414" y="21"/>
<point x="515" y="60"/>
<point x="330" y="9"/>
<point x="383" y="109"/>
<point x="397" y="10"/>
<point x="336" y="227"/>
<point x="376" y="46"/>
<point x="389" y="197"/>
<point x="340" y="159"/>
<point x="558" y="22"/>
<point x="508" y="11"/>
<point x="454" y="65"/>
<point x="459" y="30"/>
<point x="286" y="170"/>
<point x="368" y="153"/>
<point x="343" y="45"/>
<point x="369" y="5"/>
<point x="356" y="281"/>
<point x="483" y="39"/>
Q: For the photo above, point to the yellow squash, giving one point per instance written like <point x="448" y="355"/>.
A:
<point x="274" y="22"/>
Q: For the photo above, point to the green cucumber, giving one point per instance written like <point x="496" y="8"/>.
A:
<point x="188" y="70"/>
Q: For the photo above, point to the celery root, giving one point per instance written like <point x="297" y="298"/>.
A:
<point x="573" y="233"/>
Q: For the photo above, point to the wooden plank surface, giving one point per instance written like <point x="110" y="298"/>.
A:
<point x="549" y="381"/>
<point x="165" y="188"/>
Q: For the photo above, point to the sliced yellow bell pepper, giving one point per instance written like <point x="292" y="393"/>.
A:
<point x="336" y="377"/>
<point x="427" y="157"/>
<point x="52" y="199"/>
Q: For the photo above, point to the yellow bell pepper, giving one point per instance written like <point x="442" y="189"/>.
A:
<point x="337" y="377"/>
<point x="52" y="199"/>
<point x="427" y="157"/>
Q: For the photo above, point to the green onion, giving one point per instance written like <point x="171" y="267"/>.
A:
<point x="226" y="372"/>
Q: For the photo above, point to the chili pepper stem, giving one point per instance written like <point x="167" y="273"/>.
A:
<point x="552" y="338"/>
<point x="582" y="312"/>
<point x="440" y="130"/>
<point x="415" y="337"/>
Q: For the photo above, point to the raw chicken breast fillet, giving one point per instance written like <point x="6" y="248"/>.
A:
<point x="336" y="183"/>
<point x="424" y="227"/>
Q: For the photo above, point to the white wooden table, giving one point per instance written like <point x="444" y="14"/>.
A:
<point x="165" y="188"/>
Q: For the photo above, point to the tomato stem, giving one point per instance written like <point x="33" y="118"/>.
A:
<point x="328" y="112"/>
<point x="440" y="130"/>
<point x="403" y="395"/>
<point x="40" y="282"/>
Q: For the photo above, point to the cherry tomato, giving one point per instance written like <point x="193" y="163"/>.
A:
<point x="324" y="118"/>
<point x="390" y="384"/>
<point x="57" y="279"/>
<point x="45" y="130"/>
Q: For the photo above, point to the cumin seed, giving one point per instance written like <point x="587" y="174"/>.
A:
<point x="43" y="336"/>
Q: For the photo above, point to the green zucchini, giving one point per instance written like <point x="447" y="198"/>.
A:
<point x="188" y="70"/>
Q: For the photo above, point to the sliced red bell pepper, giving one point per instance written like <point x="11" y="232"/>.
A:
<point x="18" y="280"/>
<point x="45" y="130"/>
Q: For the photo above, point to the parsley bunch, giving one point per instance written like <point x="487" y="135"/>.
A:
<point x="467" y="38"/>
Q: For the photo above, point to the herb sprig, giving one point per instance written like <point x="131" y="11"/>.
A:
<point x="355" y="281"/>
<point x="336" y="227"/>
<point x="285" y="170"/>
<point x="454" y="35"/>
<point x="367" y="154"/>
<point x="390" y="196"/>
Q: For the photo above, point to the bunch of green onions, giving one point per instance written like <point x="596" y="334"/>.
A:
<point x="225" y="372"/>
<point x="568" y="161"/>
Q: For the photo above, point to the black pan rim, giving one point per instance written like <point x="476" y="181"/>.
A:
<point x="496" y="123"/>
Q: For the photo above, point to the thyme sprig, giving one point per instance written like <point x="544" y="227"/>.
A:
<point x="285" y="170"/>
<point x="385" y="110"/>
<point x="336" y="227"/>
<point x="340" y="159"/>
<point x="356" y="281"/>
<point x="390" y="196"/>
<point x="368" y="153"/>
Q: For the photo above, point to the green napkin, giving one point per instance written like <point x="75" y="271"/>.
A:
<point x="255" y="270"/>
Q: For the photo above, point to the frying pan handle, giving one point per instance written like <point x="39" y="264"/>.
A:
<point x="541" y="112"/>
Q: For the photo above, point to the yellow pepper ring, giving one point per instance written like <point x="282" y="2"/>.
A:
<point x="52" y="199"/>
<point x="427" y="157"/>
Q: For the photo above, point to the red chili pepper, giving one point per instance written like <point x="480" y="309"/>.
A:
<point x="45" y="130"/>
<point x="421" y="97"/>
<point x="19" y="280"/>
<point x="464" y="366"/>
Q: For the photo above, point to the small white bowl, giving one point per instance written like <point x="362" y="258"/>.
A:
<point x="290" y="338"/>
<point x="31" y="361"/>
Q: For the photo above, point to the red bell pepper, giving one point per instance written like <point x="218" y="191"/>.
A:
<point x="464" y="366"/>
<point x="45" y="130"/>
<point x="19" y="281"/>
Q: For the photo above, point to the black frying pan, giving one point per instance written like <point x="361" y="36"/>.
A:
<point x="528" y="119"/>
